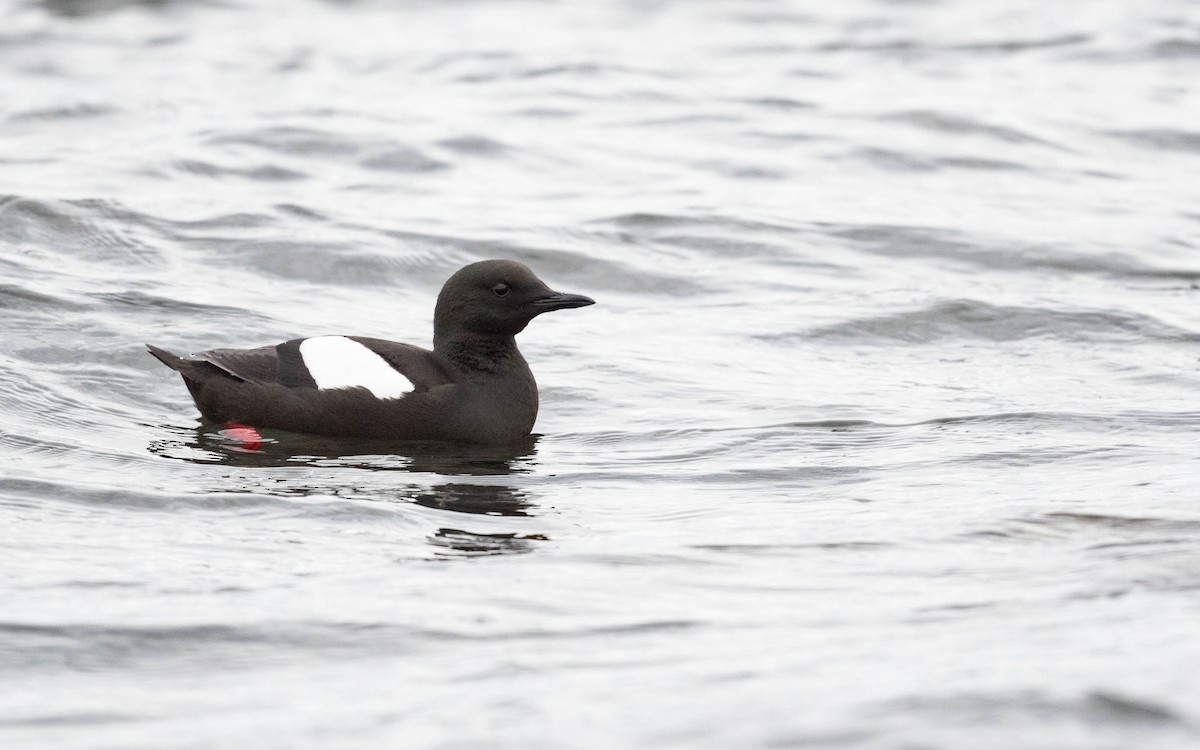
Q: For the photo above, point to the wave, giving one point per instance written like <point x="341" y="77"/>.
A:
<point x="898" y="241"/>
<point x="949" y="320"/>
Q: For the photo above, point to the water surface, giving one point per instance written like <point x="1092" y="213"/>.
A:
<point x="883" y="433"/>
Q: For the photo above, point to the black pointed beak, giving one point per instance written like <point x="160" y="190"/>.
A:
<point x="561" y="301"/>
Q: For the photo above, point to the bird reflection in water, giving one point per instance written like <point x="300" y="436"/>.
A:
<point x="264" y="449"/>
<point x="238" y="445"/>
<point x="479" y="499"/>
<point x="474" y="544"/>
<point x="483" y="501"/>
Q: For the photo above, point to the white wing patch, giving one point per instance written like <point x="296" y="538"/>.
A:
<point x="338" y="362"/>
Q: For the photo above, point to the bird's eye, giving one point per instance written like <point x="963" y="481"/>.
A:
<point x="500" y="290"/>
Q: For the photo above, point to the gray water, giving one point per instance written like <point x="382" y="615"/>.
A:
<point x="883" y="433"/>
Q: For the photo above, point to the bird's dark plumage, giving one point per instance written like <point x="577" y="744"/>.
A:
<point x="474" y="386"/>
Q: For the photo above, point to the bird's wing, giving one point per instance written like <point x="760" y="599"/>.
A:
<point x="425" y="369"/>
<point x="261" y="365"/>
<point x="293" y="365"/>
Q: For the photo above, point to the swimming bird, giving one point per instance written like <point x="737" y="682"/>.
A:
<point x="473" y="387"/>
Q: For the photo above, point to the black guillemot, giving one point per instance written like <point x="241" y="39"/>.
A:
<point x="474" y="387"/>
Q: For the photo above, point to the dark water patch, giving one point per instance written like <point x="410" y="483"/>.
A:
<point x="593" y="69"/>
<point x="1033" y="456"/>
<point x="992" y="165"/>
<point x="1009" y="46"/>
<point x="1176" y="420"/>
<point x="87" y="228"/>
<point x="441" y="60"/>
<point x="723" y="435"/>
<point x="1047" y="418"/>
<point x="27" y="37"/>
<point x="938" y="122"/>
<point x="545" y="113"/>
<point x="474" y="145"/>
<point x="896" y="161"/>
<point x="294" y="141"/>
<point x="632" y="480"/>
<point x="261" y="172"/>
<point x="888" y="47"/>
<point x="576" y="268"/>
<point x="241" y="220"/>
<point x="1161" y="139"/>
<point x="99" y="647"/>
<point x="79" y="111"/>
<point x="692" y="445"/>
<point x="74" y="490"/>
<point x="952" y="609"/>
<point x="402" y="159"/>
<point x="26" y="160"/>
<point x="337" y="499"/>
<point x="456" y="542"/>
<point x="834" y="425"/>
<point x="431" y="258"/>
<point x="704" y="237"/>
<point x="370" y="152"/>
<point x="1176" y="49"/>
<point x="613" y="275"/>
<point x="86" y="647"/>
<point x="1001" y="711"/>
<point x="1119" y="537"/>
<point x="1142" y="547"/>
<point x="758" y="467"/>
<point x="311" y="261"/>
<point x="83" y="8"/>
<point x="40" y="398"/>
<point x="654" y="223"/>
<point x="929" y="242"/>
<point x="759" y="50"/>
<point x="69" y="719"/>
<point x="150" y="303"/>
<point x="803" y="476"/>
<point x="741" y="171"/>
<point x="1120" y="523"/>
<point x="87" y="585"/>
<point x="1121" y="708"/>
<point x="729" y="246"/>
<point x="350" y="482"/>
<point x="303" y="212"/>
<point x="782" y="137"/>
<point x="778" y="104"/>
<point x="849" y="433"/>
<point x="17" y="297"/>
<point x="890" y="160"/>
<point x="30" y="447"/>
<point x="476" y="499"/>
<point x="973" y="319"/>
<point x="678" y="121"/>
<point x="772" y="17"/>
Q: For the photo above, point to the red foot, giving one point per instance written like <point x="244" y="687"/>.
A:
<point x="246" y="436"/>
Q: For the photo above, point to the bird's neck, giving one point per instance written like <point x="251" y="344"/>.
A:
<point x="478" y="353"/>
